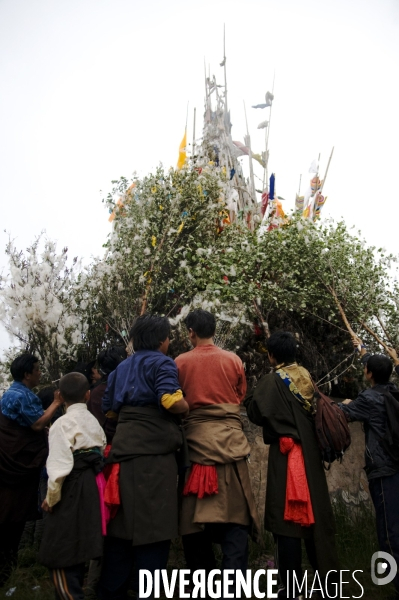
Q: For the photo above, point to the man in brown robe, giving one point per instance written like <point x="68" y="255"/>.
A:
<point x="287" y="414"/>
<point x="214" y="384"/>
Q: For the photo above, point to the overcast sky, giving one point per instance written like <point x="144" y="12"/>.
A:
<point x="95" y="89"/>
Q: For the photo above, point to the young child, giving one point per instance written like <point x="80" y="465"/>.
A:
<point x="73" y="528"/>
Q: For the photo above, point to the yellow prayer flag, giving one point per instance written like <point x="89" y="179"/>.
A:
<point x="182" y="152"/>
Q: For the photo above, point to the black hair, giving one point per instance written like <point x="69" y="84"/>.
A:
<point x="149" y="331"/>
<point x="84" y="368"/>
<point x="110" y="358"/>
<point x="381" y="368"/>
<point x="202" y="322"/>
<point x="73" y="387"/>
<point x="283" y="346"/>
<point x="24" y="363"/>
<point x="46" y="395"/>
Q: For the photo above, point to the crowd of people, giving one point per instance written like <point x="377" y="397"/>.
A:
<point x="153" y="448"/>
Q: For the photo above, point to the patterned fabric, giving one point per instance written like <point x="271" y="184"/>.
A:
<point x="21" y="405"/>
<point x="294" y="390"/>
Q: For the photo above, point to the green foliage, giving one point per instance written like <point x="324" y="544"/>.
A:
<point x="170" y="250"/>
<point x="159" y="252"/>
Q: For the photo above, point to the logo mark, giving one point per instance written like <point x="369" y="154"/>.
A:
<point x="388" y="567"/>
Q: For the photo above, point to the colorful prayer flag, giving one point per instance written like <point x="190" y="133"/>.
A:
<point x="182" y="152"/>
<point x="299" y="202"/>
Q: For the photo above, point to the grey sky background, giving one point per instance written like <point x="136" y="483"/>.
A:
<point x="95" y="89"/>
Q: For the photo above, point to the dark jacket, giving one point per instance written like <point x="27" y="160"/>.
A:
<point x="94" y="405"/>
<point x="272" y="406"/>
<point x="145" y="444"/>
<point x="369" y="408"/>
<point x="23" y="453"/>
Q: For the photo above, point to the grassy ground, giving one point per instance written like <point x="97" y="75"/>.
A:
<point x="356" y="541"/>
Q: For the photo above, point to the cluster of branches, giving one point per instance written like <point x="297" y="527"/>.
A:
<point x="170" y="250"/>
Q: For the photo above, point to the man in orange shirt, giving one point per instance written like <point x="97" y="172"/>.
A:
<point x="218" y="505"/>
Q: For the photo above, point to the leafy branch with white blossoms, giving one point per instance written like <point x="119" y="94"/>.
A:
<point x="36" y="304"/>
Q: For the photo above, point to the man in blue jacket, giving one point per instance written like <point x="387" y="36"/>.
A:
<point x="23" y="453"/>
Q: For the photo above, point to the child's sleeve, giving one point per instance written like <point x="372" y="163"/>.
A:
<point x="59" y="463"/>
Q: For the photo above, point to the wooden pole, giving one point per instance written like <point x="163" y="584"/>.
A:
<point x="186" y="117"/>
<point x="251" y="169"/>
<point x="325" y="176"/>
<point x="267" y="132"/>
<point x="349" y="328"/>
<point x="375" y="336"/>
<point x="224" y="65"/>
<point x="206" y="87"/>
<point x="342" y="312"/>
<point x="384" y="330"/>
<point x="193" y="150"/>
<point x="312" y="199"/>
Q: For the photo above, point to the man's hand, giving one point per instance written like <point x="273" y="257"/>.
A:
<point x="48" y="414"/>
<point x="180" y="408"/>
<point x="46" y="507"/>
<point x="57" y="398"/>
<point x="359" y="346"/>
<point x="393" y="354"/>
<point x="347" y="401"/>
